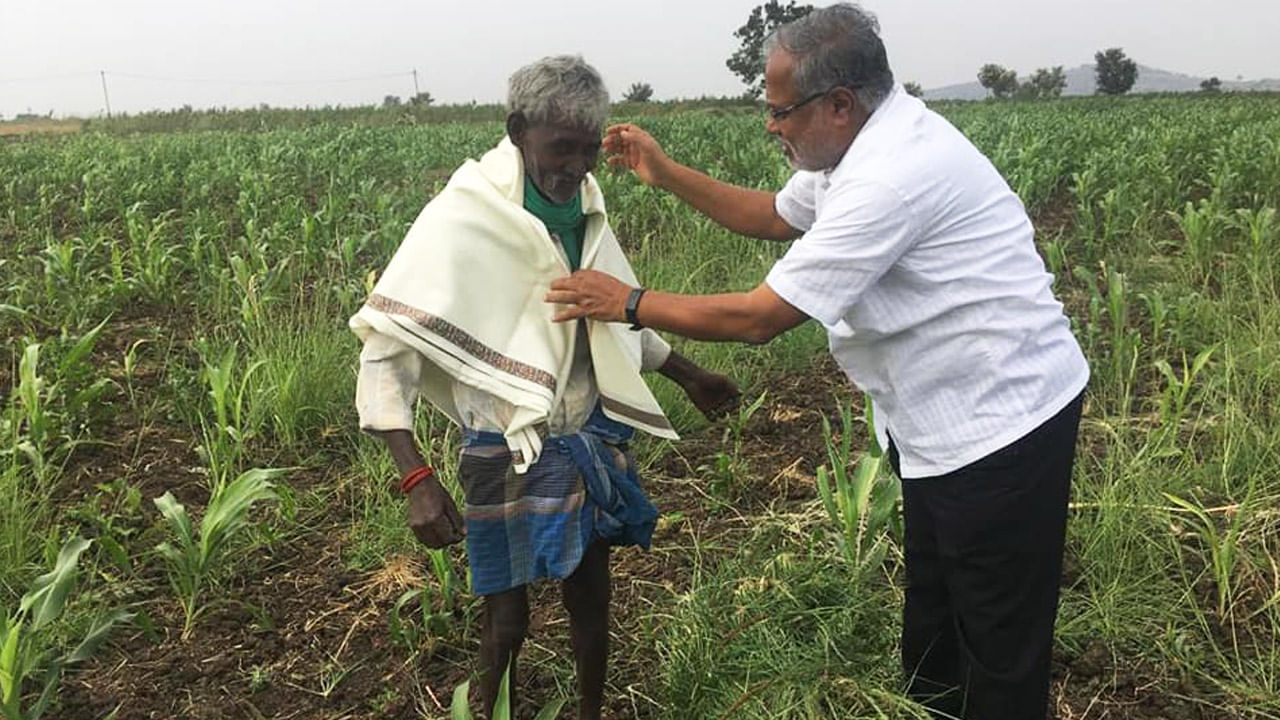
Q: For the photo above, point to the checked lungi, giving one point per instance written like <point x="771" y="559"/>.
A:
<point x="525" y="527"/>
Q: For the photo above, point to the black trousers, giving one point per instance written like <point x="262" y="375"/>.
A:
<point x="983" y="564"/>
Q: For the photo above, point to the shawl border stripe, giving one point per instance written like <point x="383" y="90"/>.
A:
<point x="634" y="413"/>
<point x="459" y="337"/>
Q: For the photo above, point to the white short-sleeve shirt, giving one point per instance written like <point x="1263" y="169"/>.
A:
<point x="921" y="264"/>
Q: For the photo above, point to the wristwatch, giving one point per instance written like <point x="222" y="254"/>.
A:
<point x="633" y="303"/>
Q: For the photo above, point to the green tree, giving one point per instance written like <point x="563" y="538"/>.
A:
<point x="1026" y="91"/>
<point x="1211" y="85"/>
<point x="391" y="101"/>
<point x="1002" y="82"/>
<point x="423" y="98"/>
<point x="1115" y="72"/>
<point x="1048" y="82"/>
<point x="638" y="92"/>
<point x="748" y="61"/>
<point x="913" y="89"/>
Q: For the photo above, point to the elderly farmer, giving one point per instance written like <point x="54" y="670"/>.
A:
<point x="919" y="261"/>
<point x="547" y="409"/>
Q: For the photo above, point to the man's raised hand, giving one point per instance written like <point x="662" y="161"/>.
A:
<point x="627" y="146"/>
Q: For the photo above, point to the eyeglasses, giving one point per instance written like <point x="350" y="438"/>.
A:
<point x="780" y="114"/>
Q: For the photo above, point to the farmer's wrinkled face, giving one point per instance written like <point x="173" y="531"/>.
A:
<point x="556" y="157"/>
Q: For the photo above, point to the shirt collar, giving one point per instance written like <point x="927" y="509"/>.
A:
<point x="877" y="119"/>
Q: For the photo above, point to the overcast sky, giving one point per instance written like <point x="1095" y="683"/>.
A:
<point x="290" y="53"/>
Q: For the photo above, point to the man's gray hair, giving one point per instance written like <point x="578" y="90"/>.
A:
<point x="560" y="90"/>
<point x="837" y="46"/>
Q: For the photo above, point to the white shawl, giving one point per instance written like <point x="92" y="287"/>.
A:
<point x="466" y="291"/>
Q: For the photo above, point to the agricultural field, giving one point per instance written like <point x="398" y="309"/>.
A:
<point x="191" y="525"/>
<point x="39" y="126"/>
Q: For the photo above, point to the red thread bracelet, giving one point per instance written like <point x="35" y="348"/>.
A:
<point x="415" y="476"/>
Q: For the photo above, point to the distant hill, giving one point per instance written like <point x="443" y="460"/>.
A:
<point x="1080" y="81"/>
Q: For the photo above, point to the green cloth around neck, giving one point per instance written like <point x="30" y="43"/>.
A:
<point x="564" y="221"/>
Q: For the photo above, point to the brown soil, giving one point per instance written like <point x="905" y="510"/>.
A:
<point x="309" y="639"/>
<point x="302" y="620"/>
<point x="1098" y="686"/>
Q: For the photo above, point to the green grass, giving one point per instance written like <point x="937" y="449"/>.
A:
<point x="779" y="631"/>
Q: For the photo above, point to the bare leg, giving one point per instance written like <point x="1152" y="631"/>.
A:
<point x="586" y="597"/>
<point x="506" y="622"/>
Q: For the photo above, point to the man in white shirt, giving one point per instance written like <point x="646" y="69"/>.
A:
<point x="919" y="261"/>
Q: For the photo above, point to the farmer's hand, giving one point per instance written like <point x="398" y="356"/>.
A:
<point x="591" y="294"/>
<point x="627" y="146"/>
<point x="713" y="394"/>
<point x="433" y="516"/>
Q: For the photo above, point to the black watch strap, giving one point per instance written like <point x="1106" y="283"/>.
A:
<point x="633" y="303"/>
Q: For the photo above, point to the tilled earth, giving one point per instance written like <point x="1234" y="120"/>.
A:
<point x="308" y="638"/>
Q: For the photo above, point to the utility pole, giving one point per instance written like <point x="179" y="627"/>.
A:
<point x="105" y="99"/>
<point x="415" y="83"/>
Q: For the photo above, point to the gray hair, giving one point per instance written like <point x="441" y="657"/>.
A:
<point x="561" y="90"/>
<point x="837" y="46"/>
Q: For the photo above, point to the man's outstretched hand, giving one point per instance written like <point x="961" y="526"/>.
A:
<point x="596" y="295"/>
<point x="590" y="294"/>
<point x="627" y="146"/>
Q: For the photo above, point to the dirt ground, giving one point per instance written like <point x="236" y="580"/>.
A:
<point x="309" y="639"/>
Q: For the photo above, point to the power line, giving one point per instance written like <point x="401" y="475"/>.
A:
<point x="146" y="77"/>
<point x="258" y="83"/>
<point x="45" y="78"/>
<point x="209" y="80"/>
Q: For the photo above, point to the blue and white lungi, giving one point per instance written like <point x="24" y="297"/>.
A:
<point x="583" y="489"/>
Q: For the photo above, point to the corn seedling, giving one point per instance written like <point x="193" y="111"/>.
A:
<point x="1055" y="253"/>
<point x="1158" y="313"/>
<point x="731" y="467"/>
<point x="1091" y="326"/>
<point x="131" y="369"/>
<point x="862" y="505"/>
<point x="1177" y="391"/>
<point x="1200" y="226"/>
<point x="1261" y="229"/>
<point x="225" y="437"/>
<point x="38" y="422"/>
<point x="1125" y="342"/>
<point x="190" y="560"/>
<point x="1223" y="544"/>
<point x="256" y="280"/>
<point x="27" y="654"/>
<point x="460" y="708"/>
<point x="1083" y="185"/>
<point x="40" y="427"/>
<point x="436" y="604"/>
<point x="152" y="256"/>
<point x="30" y="423"/>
